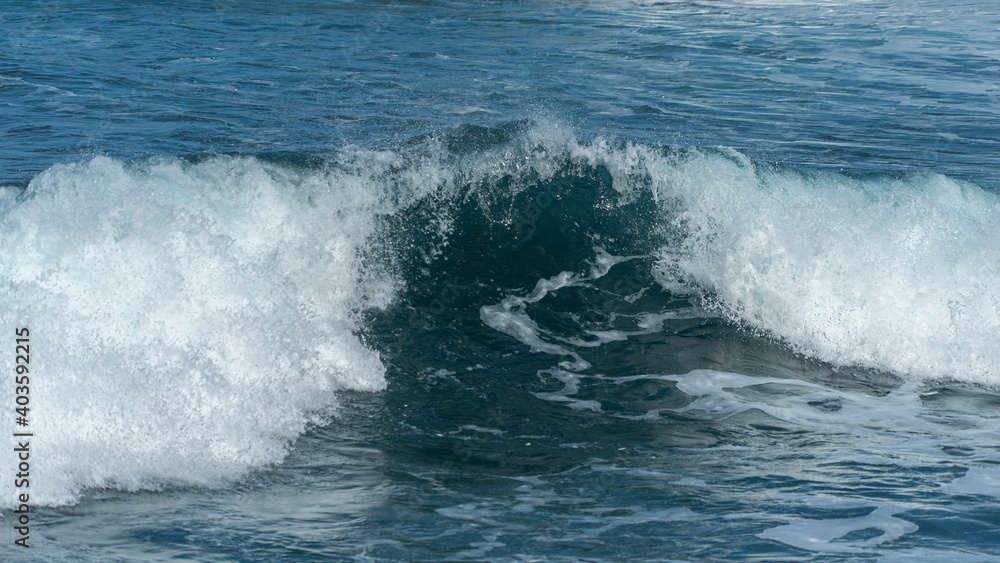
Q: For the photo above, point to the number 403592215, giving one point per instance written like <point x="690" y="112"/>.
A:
<point x="21" y="370"/>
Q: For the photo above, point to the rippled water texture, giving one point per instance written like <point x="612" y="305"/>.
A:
<point x="507" y="281"/>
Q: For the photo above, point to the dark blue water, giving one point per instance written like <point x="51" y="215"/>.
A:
<point x="514" y="281"/>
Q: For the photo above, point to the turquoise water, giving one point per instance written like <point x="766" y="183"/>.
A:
<point x="513" y="281"/>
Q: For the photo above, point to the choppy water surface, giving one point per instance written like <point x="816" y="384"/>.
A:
<point x="520" y="281"/>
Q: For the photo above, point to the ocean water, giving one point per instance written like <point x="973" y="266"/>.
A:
<point x="533" y="280"/>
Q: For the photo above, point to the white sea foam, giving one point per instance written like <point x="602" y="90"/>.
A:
<point x="821" y="535"/>
<point x="906" y="428"/>
<point x="187" y="320"/>
<point x="977" y="481"/>
<point x="899" y="274"/>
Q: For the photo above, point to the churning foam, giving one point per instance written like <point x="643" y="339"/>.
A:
<point x="893" y="273"/>
<point x="187" y="320"/>
<point x="897" y="274"/>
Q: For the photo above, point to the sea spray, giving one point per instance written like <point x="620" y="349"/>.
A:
<point x="188" y="319"/>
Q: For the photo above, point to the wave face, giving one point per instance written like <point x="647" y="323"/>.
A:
<point x="191" y="318"/>
<point x="897" y="273"/>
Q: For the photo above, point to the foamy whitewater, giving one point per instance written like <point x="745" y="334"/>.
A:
<point x="184" y="302"/>
<point x="519" y="282"/>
